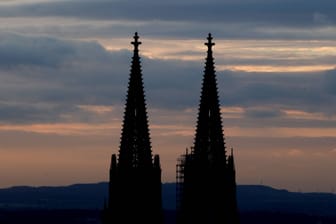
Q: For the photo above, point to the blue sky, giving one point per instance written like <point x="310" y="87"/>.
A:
<point x="64" y="70"/>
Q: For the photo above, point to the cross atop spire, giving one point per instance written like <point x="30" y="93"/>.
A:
<point x="136" y="43"/>
<point x="209" y="43"/>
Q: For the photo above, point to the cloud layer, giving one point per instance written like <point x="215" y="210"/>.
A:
<point x="47" y="78"/>
<point x="255" y="19"/>
<point x="64" y="70"/>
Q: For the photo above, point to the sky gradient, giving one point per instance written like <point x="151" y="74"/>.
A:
<point x="64" y="69"/>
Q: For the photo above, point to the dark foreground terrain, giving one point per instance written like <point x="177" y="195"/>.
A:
<point x="93" y="217"/>
<point x="82" y="204"/>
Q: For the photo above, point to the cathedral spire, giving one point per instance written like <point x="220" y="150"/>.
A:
<point x="135" y="176"/>
<point x="209" y="139"/>
<point x="205" y="183"/>
<point x="135" y="146"/>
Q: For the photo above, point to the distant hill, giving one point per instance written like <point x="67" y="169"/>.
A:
<point x="263" y="198"/>
<point x="77" y="196"/>
<point x="251" y="198"/>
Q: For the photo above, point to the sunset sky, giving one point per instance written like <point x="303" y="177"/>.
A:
<point x="65" y="64"/>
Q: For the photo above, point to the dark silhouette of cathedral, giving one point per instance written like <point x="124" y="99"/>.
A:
<point x="206" y="185"/>
<point x="135" y="176"/>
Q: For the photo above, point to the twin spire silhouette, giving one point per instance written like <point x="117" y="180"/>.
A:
<point x="205" y="176"/>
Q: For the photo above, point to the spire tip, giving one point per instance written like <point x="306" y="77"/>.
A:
<point x="209" y="43"/>
<point x="136" y="41"/>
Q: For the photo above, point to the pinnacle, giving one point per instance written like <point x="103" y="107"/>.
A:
<point x="136" y="43"/>
<point x="209" y="43"/>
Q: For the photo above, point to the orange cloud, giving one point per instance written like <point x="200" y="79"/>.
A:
<point x="299" y="114"/>
<point x="281" y="132"/>
<point x="242" y="55"/>
<point x="98" y="109"/>
<point x="232" y="112"/>
<point x="64" y="128"/>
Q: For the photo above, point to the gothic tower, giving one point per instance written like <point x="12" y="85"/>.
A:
<point x="206" y="185"/>
<point x="135" y="176"/>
